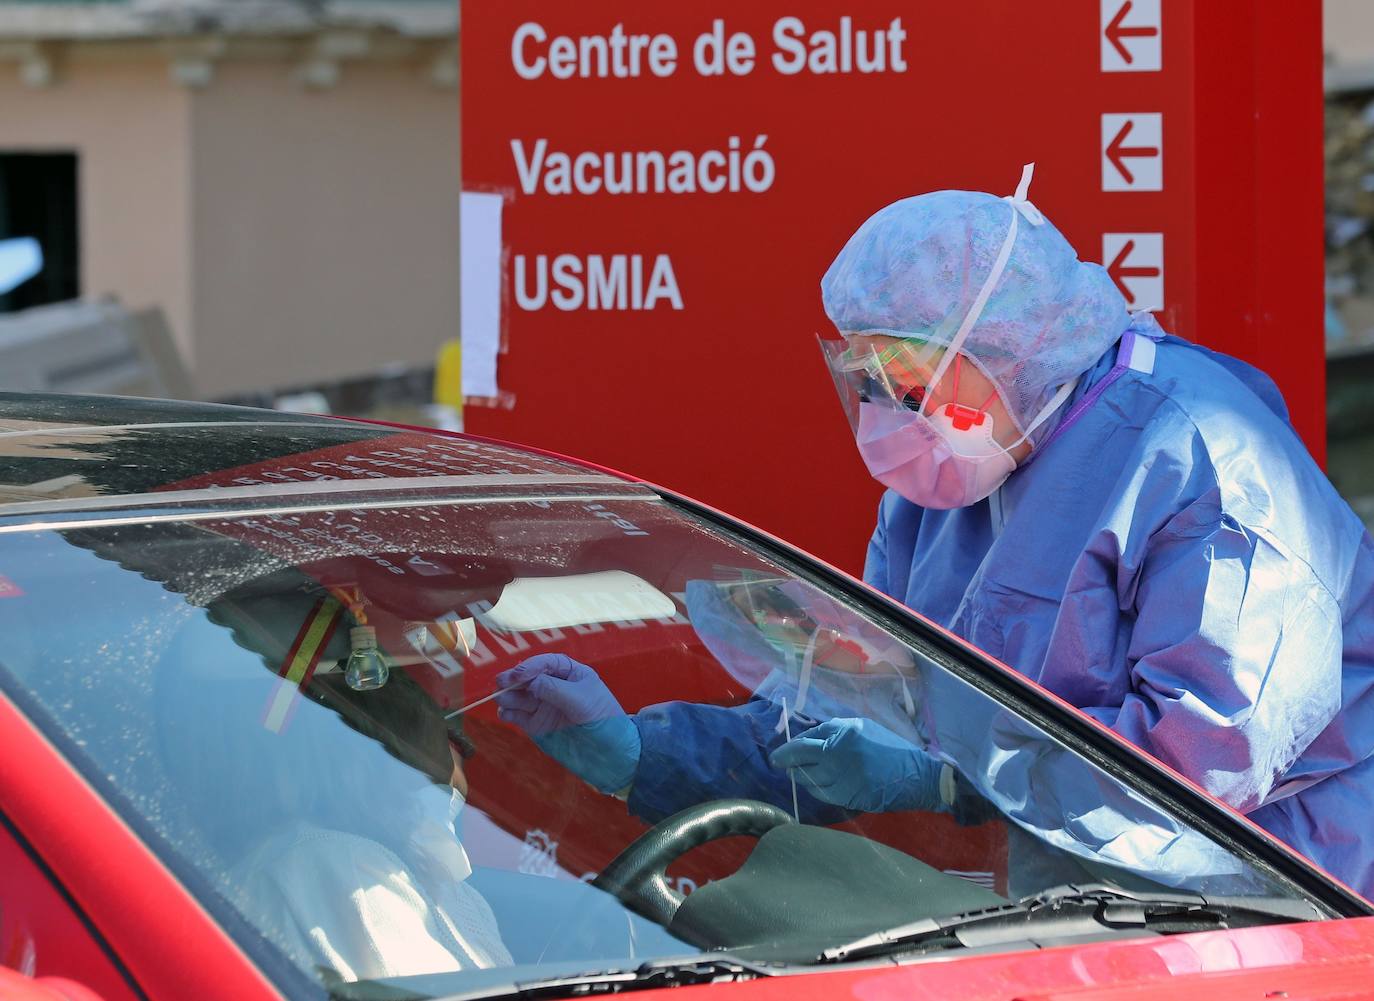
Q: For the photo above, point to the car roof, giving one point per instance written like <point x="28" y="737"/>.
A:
<point x="62" y="452"/>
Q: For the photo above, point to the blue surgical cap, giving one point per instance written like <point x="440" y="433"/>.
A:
<point x="915" y="268"/>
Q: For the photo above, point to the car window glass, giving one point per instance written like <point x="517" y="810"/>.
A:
<point x="198" y="671"/>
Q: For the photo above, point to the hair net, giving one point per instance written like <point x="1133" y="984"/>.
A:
<point x="916" y="267"/>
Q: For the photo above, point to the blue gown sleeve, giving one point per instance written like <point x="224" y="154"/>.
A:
<point x="1235" y="656"/>
<point x="692" y="753"/>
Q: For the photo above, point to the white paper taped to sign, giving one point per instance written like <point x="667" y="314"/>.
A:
<point x="480" y="284"/>
<point x="530" y="603"/>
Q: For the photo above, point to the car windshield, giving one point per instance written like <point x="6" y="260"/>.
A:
<point x="293" y="705"/>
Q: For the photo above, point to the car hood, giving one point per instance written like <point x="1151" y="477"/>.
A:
<point x="1314" y="960"/>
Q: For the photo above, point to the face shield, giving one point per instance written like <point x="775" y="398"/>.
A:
<point x="907" y="380"/>
<point x="791" y="618"/>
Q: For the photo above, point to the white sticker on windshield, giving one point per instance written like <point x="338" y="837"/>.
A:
<point x="530" y="603"/>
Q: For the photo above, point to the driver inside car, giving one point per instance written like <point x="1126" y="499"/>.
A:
<point x="337" y="826"/>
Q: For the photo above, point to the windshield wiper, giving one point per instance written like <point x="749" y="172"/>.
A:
<point x="708" y="968"/>
<point x="1073" y="911"/>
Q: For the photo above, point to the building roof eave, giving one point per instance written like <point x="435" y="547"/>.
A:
<point x="36" y="20"/>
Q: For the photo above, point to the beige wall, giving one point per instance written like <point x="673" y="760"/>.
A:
<point x="290" y="235"/>
<point x="130" y="128"/>
<point x="326" y="223"/>
<point x="1348" y="30"/>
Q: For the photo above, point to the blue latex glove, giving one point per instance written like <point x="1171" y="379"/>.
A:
<point x="858" y="764"/>
<point x="569" y="712"/>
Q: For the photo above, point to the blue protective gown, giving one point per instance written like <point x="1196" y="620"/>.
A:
<point x="1177" y="566"/>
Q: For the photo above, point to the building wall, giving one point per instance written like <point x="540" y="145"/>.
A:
<point x="130" y="128"/>
<point x="1348" y="37"/>
<point x="325" y="223"/>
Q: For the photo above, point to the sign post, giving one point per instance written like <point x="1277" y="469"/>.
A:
<point x="676" y="178"/>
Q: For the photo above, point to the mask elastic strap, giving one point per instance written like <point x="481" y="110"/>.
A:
<point x="804" y="681"/>
<point x="1049" y="408"/>
<point x="908" y="703"/>
<point x="958" y="366"/>
<point x="994" y="276"/>
<point x="803" y="675"/>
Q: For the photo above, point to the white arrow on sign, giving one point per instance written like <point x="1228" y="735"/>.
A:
<point x="1132" y="36"/>
<point x="1135" y="261"/>
<point x="1133" y="152"/>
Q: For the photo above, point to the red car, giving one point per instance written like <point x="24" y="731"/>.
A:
<point x="248" y="671"/>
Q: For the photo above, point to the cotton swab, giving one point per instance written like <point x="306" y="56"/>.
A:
<point x="787" y="732"/>
<point x="483" y="699"/>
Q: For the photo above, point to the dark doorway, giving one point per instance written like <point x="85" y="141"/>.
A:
<point x="38" y="199"/>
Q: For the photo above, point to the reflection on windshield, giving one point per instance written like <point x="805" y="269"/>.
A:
<point x="864" y="724"/>
<point x="563" y="676"/>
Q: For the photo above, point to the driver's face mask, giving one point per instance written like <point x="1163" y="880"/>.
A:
<point x="438" y="834"/>
<point x="456" y="802"/>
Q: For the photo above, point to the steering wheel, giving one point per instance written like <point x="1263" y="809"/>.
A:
<point x="637" y="875"/>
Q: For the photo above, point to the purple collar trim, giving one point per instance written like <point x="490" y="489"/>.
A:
<point x="1123" y="362"/>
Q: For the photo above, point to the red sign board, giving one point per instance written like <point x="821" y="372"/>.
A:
<point x="678" y="176"/>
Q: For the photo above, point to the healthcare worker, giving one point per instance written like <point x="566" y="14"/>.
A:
<point x="1125" y="517"/>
